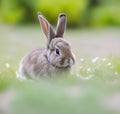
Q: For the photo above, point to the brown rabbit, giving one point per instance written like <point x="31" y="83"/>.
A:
<point x="55" y="59"/>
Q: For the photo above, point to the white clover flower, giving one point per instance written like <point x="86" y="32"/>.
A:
<point x="88" y="69"/>
<point x="82" y="59"/>
<point x="7" y="65"/>
<point x="95" y="59"/>
<point x="104" y="59"/>
<point x="109" y="64"/>
<point x="116" y="73"/>
<point x="86" y="77"/>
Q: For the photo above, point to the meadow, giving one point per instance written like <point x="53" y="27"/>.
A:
<point x="92" y="88"/>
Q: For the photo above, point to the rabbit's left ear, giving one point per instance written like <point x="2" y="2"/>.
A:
<point x="61" y="25"/>
<point x="46" y="27"/>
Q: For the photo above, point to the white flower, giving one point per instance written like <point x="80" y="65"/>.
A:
<point x="104" y="59"/>
<point x="86" y="77"/>
<point x="81" y="59"/>
<point x="7" y="65"/>
<point x="109" y="64"/>
<point x="88" y="69"/>
<point x="95" y="59"/>
<point x="116" y="73"/>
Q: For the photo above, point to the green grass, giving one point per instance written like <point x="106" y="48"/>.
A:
<point x="92" y="88"/>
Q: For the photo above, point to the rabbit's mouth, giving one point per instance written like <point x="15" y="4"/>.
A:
<point x="61" y="63"/>
<point x="66" y="63"/>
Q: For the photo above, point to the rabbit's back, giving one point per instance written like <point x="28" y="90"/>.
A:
<point x="34" y="63"/>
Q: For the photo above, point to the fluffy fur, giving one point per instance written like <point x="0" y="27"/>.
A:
<point x="55" y="59"/>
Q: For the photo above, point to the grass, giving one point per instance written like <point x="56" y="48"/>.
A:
<point x="92" y="88"/>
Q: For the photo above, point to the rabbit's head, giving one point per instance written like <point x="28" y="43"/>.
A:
<point x="59" y="52"/>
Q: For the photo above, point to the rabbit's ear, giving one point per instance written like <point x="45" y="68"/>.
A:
<point x="61" y="25"/>
<point x="46" y="27"/>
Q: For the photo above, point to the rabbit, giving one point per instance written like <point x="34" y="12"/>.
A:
<point x="55" y="59"/>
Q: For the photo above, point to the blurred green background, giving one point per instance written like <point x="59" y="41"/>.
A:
<point x="80" y="12"/>
<point x="94" y="84"/>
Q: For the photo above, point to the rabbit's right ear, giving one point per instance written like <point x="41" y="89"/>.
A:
<point x="61" y="25"/>
<point x="46" y="27"/>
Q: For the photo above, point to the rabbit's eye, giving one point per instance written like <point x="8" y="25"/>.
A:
<point x="57" y="51"/>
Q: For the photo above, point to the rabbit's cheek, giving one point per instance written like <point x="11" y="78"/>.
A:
<point x="62" y="62"/>
<point x="66" y="62"/>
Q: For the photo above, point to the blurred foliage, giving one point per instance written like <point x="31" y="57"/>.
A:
<point x="60" y="95"/>
<point x="107" y="13"/>
<point x="74" y="10"/>
<point x="79" y="12"/>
